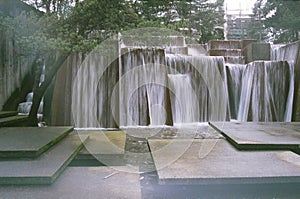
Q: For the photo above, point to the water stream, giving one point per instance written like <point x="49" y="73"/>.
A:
<point x="148" y="87"/>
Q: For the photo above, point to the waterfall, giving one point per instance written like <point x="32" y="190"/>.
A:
<point x="184" y="101"/>
<point x="208" y="82"/>
<point x="234" y="79"/>
<point x="25" y="107"/>
<point x="285" y="52"/>
<point x="142" y="88"/>
<point x="149" y="87"/>
<point x="288" y="53"/>
<point x="266" y="91"/>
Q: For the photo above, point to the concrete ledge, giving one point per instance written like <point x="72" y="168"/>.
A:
<point x="43" y="170"/>
<point x="29" y="142"/>
<point x="17" y="120"/>
<point x="215" y="161"/>
<point x="81" y="182"/>
<point x="7" y="113"/>
<point x="261" y="136"/>
<point x="257" y="51"/>
<point x="226" y="52"/>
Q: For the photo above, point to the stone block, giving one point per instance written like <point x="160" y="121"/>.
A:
<point x="257" y="51"/>
<point x="44" y="169"/>
<point x="261" y="136"/>
<point x="29" y="142"/>
<point x="215" y="161"/>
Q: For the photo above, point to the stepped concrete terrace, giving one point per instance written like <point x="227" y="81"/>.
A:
<point x="239" y="51"/>
<point x="29" y="142"/>
<point x="10" y="118"/>
<point x="7" y="113"/>
<point x="44" y="169"/>
<point x="261" y="136"/>
<point x="134" y="164"/>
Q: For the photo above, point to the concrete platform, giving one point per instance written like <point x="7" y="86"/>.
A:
<point x="29" y="142"/>
<point x="104" y="142"/>
<point x="106" y="147"/>
<point x="215" y="161"/>
<point x="81" y="182"/>
<point x="44" y="169"/>
<point x="261" y="136"/>
<point x="7" y="113"/>
<point x="17" y="120"/>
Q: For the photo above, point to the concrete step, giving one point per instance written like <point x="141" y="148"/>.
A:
<point x="102" y="148"/>
<point x="229" y="44"/>
<point x="29" y="142"/>
<point x="224" y="44"/>
<point x="226" y="52"/>
<point x="46" y="168"/>
<point x="7" y="113"/>
<point x="215" y="161"/>
<point x="234" y="59"/>
<point x="17" y="120"/>
<point x="261" y="136"/>
<point x="82" y="182"/>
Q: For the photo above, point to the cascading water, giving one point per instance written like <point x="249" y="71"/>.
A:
<point x="142" y="88"/>
<point x="234" y="79"/>
<point x="146" y="86"/>
<point x="140" y="91"/>
<point x="289" y="53"/>
<point x="208" y="83"/>
<point x="24" y="107"/>
<point x="184" y="102"/>
<point x="92" y="88"/>
<point x="265" y="91"/>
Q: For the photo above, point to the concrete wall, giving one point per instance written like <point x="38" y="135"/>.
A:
<point x="257" y="51"/>
<point x="13" y="68"/>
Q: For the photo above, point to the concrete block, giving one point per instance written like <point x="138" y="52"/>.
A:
<point x="29" y="142"/>
<point x="261" y="136"/>
<point x="44" y="169"/>
<point x="257" y="51"/>
<point x="215" y="161"/>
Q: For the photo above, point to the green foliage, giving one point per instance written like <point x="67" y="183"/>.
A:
<point x="61" y="8"/>
<point x="39" y="35"/>
<point x="98" y="20"/>
<point x="198" y="19"/>
<point x="279" y="20"/>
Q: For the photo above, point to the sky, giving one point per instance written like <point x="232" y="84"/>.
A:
<point x="234" y="5"/>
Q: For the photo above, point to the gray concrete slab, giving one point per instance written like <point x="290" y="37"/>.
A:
<point x="102" y="148"/>
<point x="81" y="182"/>
<point x="16" y="120"/>
<point x="44" y="169"/>
<point x="215" y="161"/>
<point x="261" y="136"/>
<point x="203" y="131"/>
<point x="7" y="113"/>
<point x="104" y="142"/>
<point x="29" y="142"/>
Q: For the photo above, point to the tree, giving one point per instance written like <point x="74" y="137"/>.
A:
<point x="202" y="20"/>
<point x="78" y="26"/>
<point x="37" y="37"/>
<point x="279" y="20"/>
<point x="60" y="7"/>
<point x="256" y="28"/>
<point x="97" y="20"/>
<point x="206" y="20"/>
<point x="50" y="38"/>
